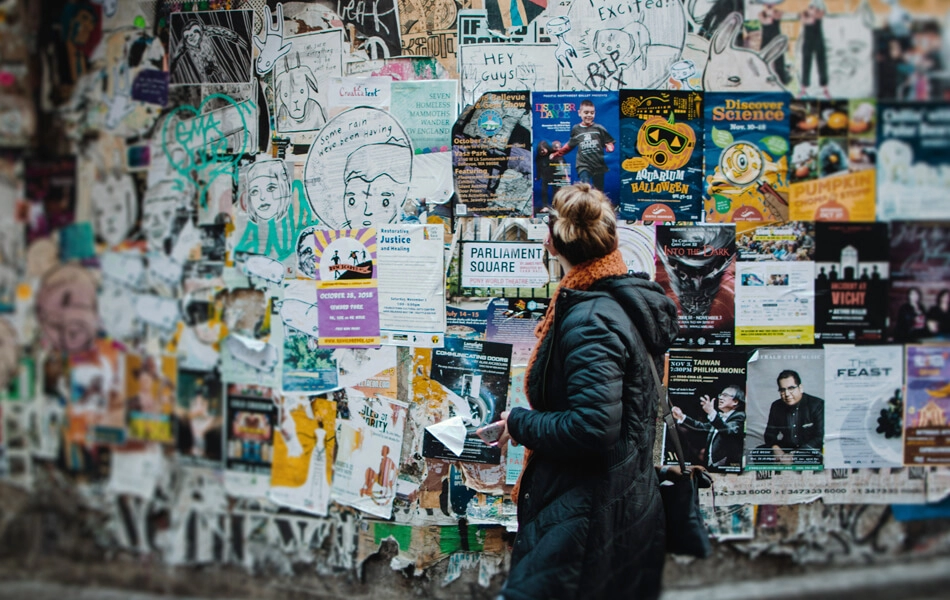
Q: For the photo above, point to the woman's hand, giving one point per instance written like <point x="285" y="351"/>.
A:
<point x="505" y="436"/>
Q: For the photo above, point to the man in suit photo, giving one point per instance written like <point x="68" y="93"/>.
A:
<point x="724" y="426"/>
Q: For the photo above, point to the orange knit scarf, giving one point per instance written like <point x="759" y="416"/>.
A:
<point x="581" y="277"/>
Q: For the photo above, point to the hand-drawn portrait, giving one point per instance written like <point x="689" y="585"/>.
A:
<point x="66" y="309"/>
<point x="160" y="213"/>
<point x="306" y="255"/>
<point x="299" y="106"/>
<point x="211" y="47"/>
<point x="266" y="192"/>
<point x="359" y="169"/>
<point x="115" y="209"/>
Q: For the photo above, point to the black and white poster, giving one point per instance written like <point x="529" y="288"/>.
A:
<point x="211" y="47"/>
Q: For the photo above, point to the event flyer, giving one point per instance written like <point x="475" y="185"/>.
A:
<point x="696" y="267"/>
<point x="851" y="282"/>
<point x="347" y="292"/>
<point x="150" y="384"/>
<point x="919" y="301"/>
<point x="250" y="418"/>
<point x="411" y="284"/>
<point x="832" y="160"/>
<point x="513" y="321"/>
<point x="369" y="442"/>
<point x="491" y="156"/>
<point x="661" y="154"/>
<point x="926" y="426"/>
<point x="775" y="296"/>
<point x="785" y="410"/>
<point x="862" y="425"/>
<point x="478" y="372"/>
<point x="578" y="134"/>
<point x="746" y="154"/>
<point x="707" y="393"/>
<point x="200" y="417"/>
<point x="912" y="158"/>
<point x="504" y="264"/>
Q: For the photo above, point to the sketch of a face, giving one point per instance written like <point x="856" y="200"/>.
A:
<point x="192" y="34"/>
<point x="114" y="208"/>
<point x="268" y="193"/>
<point x="66" y="309"/>
<point x="372" y="195"/>
<point x="158" y="213"/>
<point x="306" y="257"/>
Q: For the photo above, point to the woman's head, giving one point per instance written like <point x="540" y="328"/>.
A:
<point x="914" y="296"/>
<point x="582" y="223"/>
<point x="268" y="190"/>
<point x="943" y="300"/>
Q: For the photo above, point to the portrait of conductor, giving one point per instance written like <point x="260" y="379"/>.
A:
<point x="796" y="425"/>
<point x="724" y="426"/>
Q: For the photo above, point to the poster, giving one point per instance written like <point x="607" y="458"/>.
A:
<point x="926" y="433"/>
<point x="746" y="151"/>
<point x="638" y="247"/>
<point x="491" y="150"/>
<point x="504" y="264"/>
<point x="347" y="292"/>
<point x="851" y="282"/>
<point x="513" y="321"/>
<point x="785" y="424"/>
<point x="369" y="442"/>
<point x="863" y="424"/>
<point x="912" y="157"/>
<point x="833" y="152"/>
<point x="411" y="284"/>
<point x="151" y="384"/>
<point x="661" y="155"/>
<point x="707" y="395"/>
<point x="919" y="301"/>
<point x="199" y="418"/>
<point x="576" y="134"/>
<point x="300" y="470"/>
<point x="50" y="195"/>
<point x="696" y="267"/>
<point x="478" y="373"/>
<point x="250" y="418"/>
<point x="211" y="47"/>
<point x="775" y="297"/>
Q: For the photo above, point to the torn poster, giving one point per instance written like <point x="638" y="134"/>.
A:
<point x="300" y="471"/>
<point x="250" y="420"/>
<point x="411" y="285"/>
<point x="347" y="289"/>
<point x="369" y="435"/>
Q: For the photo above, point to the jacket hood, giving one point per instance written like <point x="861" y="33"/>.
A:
<point x="648" y="306"/>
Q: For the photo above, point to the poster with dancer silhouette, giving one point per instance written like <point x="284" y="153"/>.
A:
<point x="369" y="444"/>
<point x="852" y="275"/>
<point x="661" y="155"/>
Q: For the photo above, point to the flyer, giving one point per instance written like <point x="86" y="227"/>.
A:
<point x="851" y="282"/>
<point x="576" y="133"/>
<point x="150" y="397"/>
<point x="707" y="395"/>
<point x="513" y="321"/>
<point x="369" y="442"/>
<point x="775" y="296"/>
<point x="831" y="170"/>
<point x="696" y="267"/>
<point x="347" y="292"/>
<point x="746" y="154"/>
<point x="919" y="300"/>
<point x="411" y="284"/>
<point x="661" y="155"/>
<point x="862" y="425"/>
<point x="638" y="247"/>
<point x="491" y="156"/>
<point x="504" y="264"/>
<point x="926" y="426"/>
<point x="199" y="418"/>
<point x="785" y="411"/>
<point x="300" y="471"/>
<point x="912" y="158"/>
<point x="477" y="372"/>
<point x="250" y="417"/>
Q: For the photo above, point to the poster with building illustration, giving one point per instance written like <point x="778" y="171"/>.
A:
<point x="369" y="443"/>
<point x="661" y="155"/>
<point x="576" y="139"/>
<point x="927" y="406"/>
<point x="746" y="155"/>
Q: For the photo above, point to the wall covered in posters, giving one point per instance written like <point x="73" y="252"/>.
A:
<point x="291" y="253"/>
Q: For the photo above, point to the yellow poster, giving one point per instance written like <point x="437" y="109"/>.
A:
<point x="845" y="197"/>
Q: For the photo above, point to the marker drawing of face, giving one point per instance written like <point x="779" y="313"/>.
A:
<point x="373" y="195"/>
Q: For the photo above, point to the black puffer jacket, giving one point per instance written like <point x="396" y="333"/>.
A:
<point x="590" y="518"/>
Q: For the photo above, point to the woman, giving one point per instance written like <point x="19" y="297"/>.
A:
<point x="590" y="518"/>
<point x="938" y="317"/>
<point x="911" y="317"/>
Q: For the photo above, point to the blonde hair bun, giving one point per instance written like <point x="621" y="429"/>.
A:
<point x="584" y="226"/>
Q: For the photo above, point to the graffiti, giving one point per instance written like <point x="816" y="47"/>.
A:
<point x="278" y="237"/>
<point x="731" y="67"/>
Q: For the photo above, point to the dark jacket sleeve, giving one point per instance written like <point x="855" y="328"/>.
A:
<point x="594" y="359"/>
<point x="735" y="425"/>
<point x="776" y="425"/>
<point x="816" y="433"/>
<point x="698" y="424"/>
